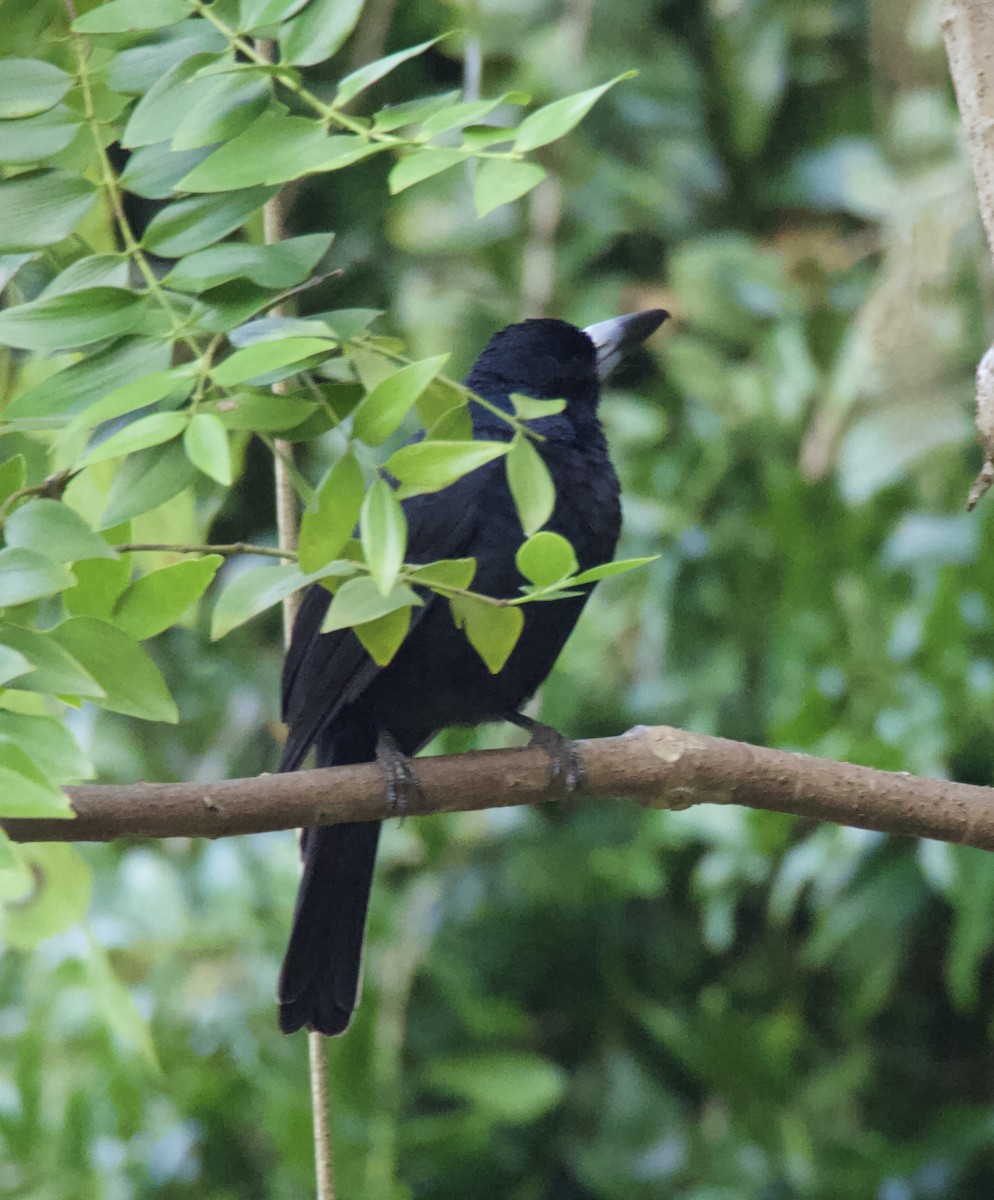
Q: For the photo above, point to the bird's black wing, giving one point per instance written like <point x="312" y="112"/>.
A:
<point x="323" y="672"/>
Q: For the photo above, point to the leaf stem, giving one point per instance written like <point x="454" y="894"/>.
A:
<point x="328" y="113"/>
<point x="225" y="548"/>
<point x="51" y="489"/>
<point x="519" y="426"/>
<point x="110" y="184"/>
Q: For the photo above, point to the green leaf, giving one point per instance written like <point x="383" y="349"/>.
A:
<point x="224" y="308"/>
<point x="281" y="265"/>
<point x="10" y="265"/>
<point x="147" y="431"/>
<point x="42" y="207"/>
<point x="480" y="137"/>
<point x="531" y="485"/>
<point x="115" y="1003"/>
<point x="275" y="148"/>
<point x="58" y="531"/>
<point x="167" y="103"/>
<point x="266" y="414"/>
<point x="382" y="638"/>
<point x="156" y="601"/>
<point x="47" y="740"/>
<point x="503" y="1087"/>
<point x="131" y="681"/>
<point x="611" y="568"/>
<point x="145" y="481"/>
<point x="500" y="180"/>
<point x="257" y="14"/>
<point x="12" y="665"/>
<point x="527" y="408"/>
<point x="198" y="221"/>
<point x="328" y="523"/>
<point x="29" y="86"/>
<point x="95" y="270"/>
<point x="177" y="383"/>
<point x="26" y="791"/>
<point x="396" y="116"/>
<point x="27" y="575"/>
<point x="58" y="897"/>
<point x="751" y="53"/>
<point x="74" y="388"/>
<point x="366" y="76"/>
<point x="55" y="672"/>
<point x="423" y="164"/>
<point x="67" y="322"/>
<point x="231" y="103"/>
<point x="382" y="410"/>
<point x="132" y="71"/>
<point x="348" y="323"/>
<point x="467" y="112"/>
<point x="431" y="466"/>
<point x="446" y="572"/>
<point x="492" y="631"/>
<point x="261" y="357"/>
<point x="33" y="139"/>
<point x="127" y="16"/>
<point x="456" y="425"/>
<point x="153" y="171"/>
<point x="254" y="590"/>
<point x="99" y="582"/>
<point x="383" y="533"/>
<point x="271" y="149"/>
<point x="205" y="440"/>
<point x="319" y="31"/>
<point x="360" y="600"/>
<point x="14" y="875"/>
<point x="551" y="122"/>
<point x="546" y="558"/>
<point x="13" y="475"/>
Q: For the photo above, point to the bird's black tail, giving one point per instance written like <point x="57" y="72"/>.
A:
<point x="319" y="981"/>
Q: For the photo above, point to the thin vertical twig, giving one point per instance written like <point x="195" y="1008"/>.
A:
<point x="274" y="230"/>
<point x="545" y="203"/>
<point x="370" y="37"/>
<point x="538" y="263"/>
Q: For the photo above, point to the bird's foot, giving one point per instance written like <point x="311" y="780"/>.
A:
<point x="404" y="790"/>
<point x="565" y="767"/>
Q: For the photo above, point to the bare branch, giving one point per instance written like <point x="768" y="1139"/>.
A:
<point x="968" y="28"/>
<point x="659" y="767"/>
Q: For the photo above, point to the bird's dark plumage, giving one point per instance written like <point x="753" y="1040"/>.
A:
<point x="336" y="699"/>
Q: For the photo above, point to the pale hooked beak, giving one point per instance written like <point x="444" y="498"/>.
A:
<point x="615" y="338"/>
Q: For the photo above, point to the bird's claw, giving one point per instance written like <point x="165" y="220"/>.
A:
<point x="565" y="765"/>
<point x="404" y="790"/>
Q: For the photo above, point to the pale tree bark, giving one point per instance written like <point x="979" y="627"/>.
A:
<point x="968" y="28"/>
<point x="659" y="767"/>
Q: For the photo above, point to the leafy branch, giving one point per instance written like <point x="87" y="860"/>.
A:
<point x="111" y="186"/>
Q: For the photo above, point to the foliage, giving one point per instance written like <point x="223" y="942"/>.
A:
<point x="210" y="124"/>
<point x="714" y="1005"/>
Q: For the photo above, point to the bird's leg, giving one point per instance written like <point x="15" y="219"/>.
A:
<point x="403" y="786"/>
<point x="565" y="767"/>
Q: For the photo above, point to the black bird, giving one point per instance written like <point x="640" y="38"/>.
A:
<point x="336" y="699"/>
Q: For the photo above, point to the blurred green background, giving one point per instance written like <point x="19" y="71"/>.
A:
<point x="560" y="1005"/>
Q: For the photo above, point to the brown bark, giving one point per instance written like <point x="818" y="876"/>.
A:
<point x="968" y="28"/>
<point x="657" y="766"/>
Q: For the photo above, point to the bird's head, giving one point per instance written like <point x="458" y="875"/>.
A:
<point x="549" y="359"/>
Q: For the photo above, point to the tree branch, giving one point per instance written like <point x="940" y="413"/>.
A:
<point x="968" y="29"/>
<point x="659" y="767"/>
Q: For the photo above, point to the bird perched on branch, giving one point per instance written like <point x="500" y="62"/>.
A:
<point x="338" y="701"/>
